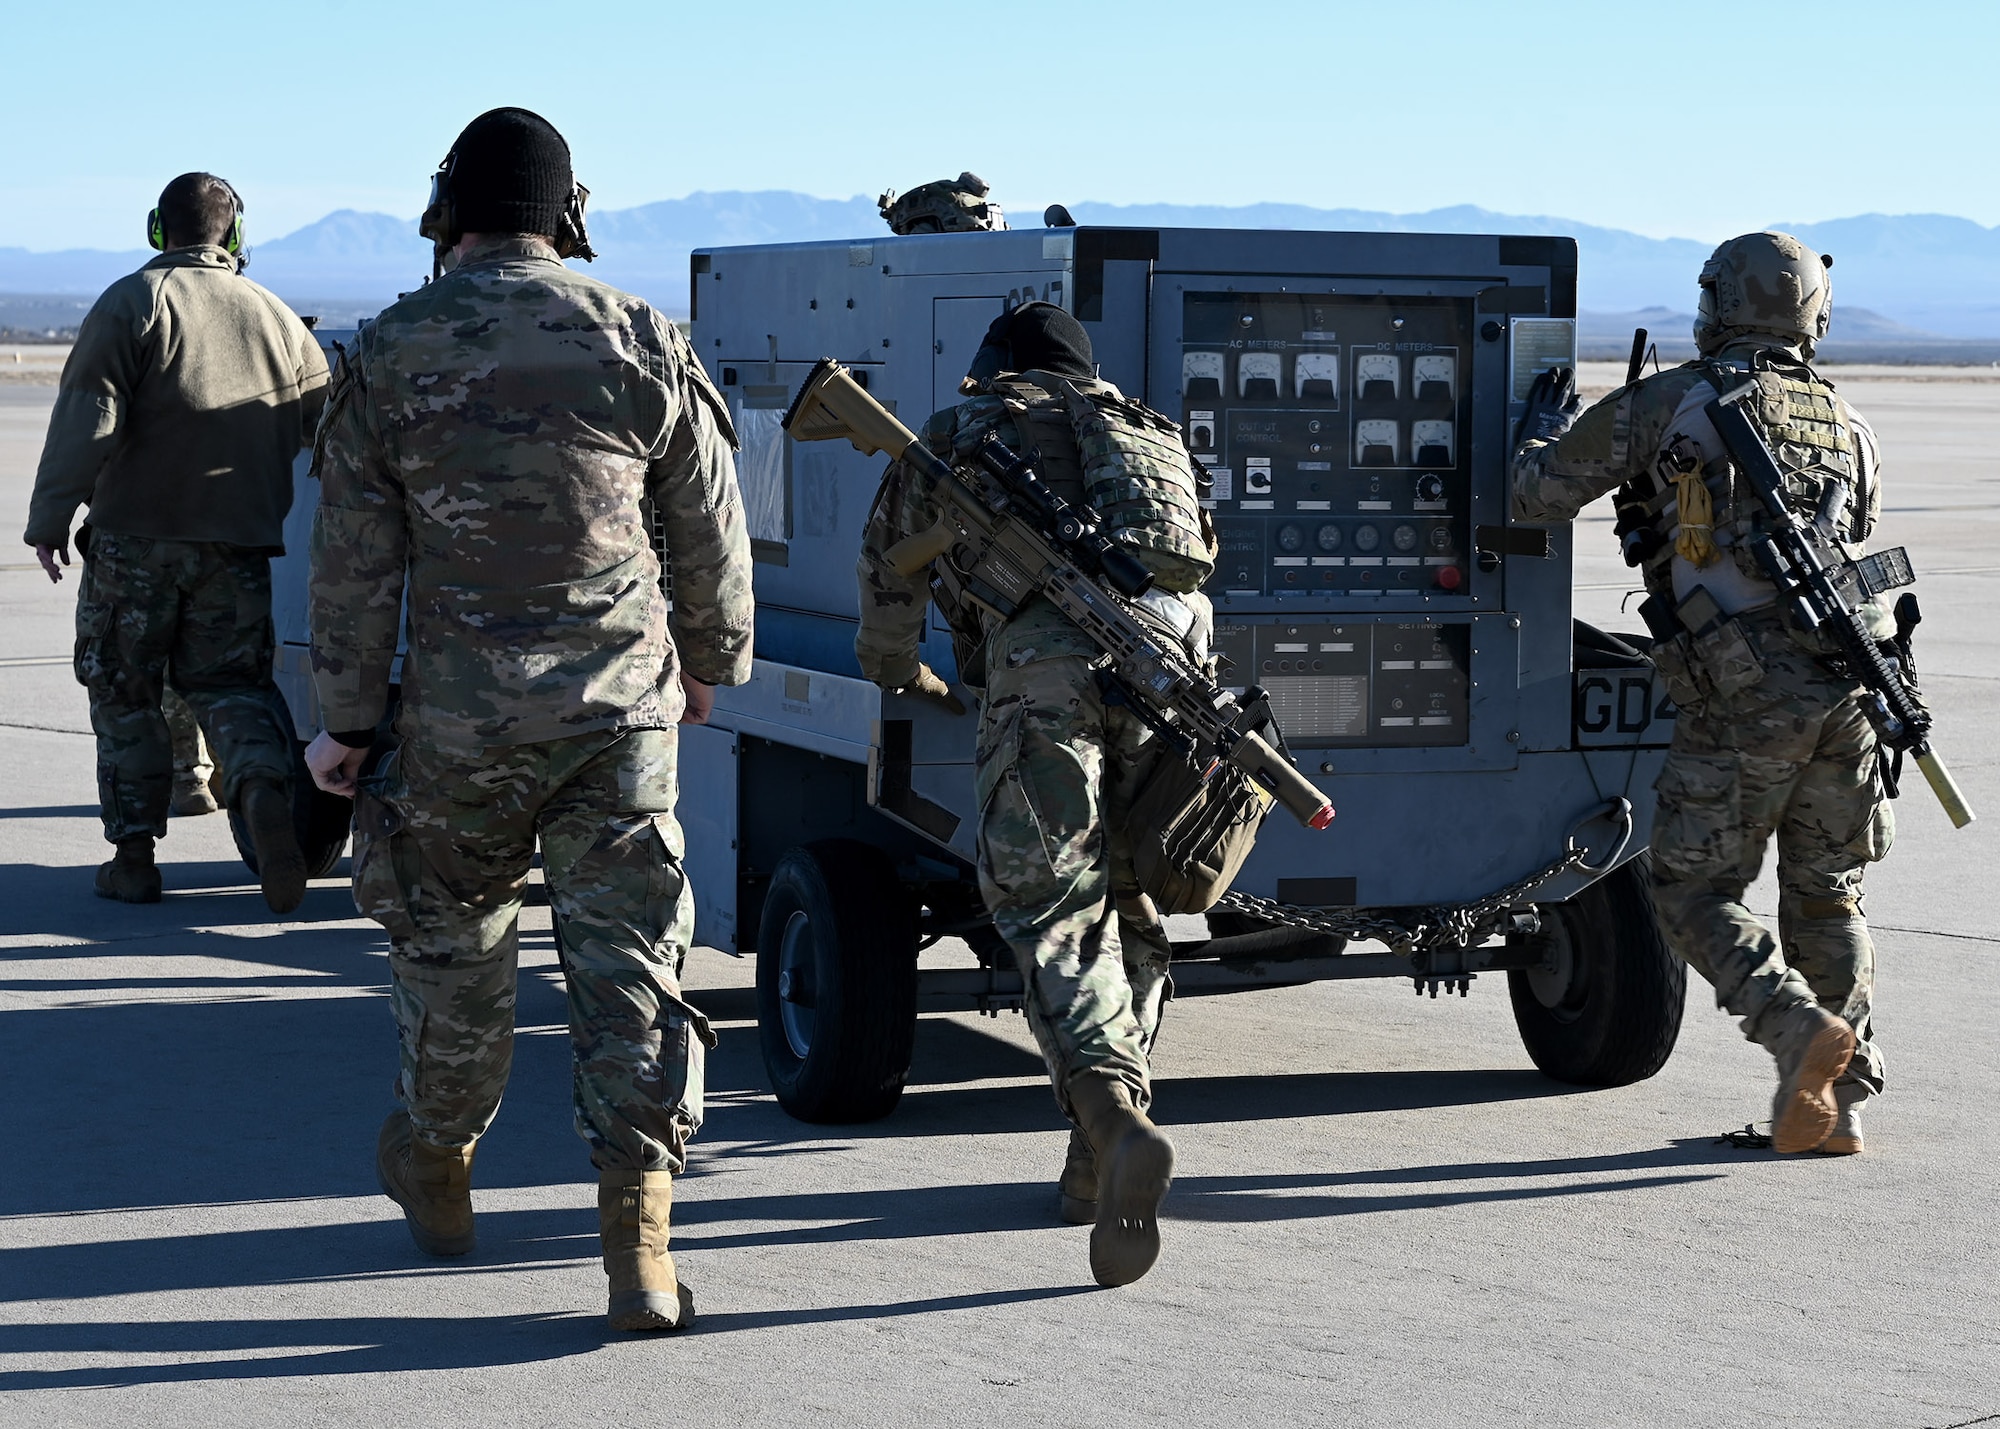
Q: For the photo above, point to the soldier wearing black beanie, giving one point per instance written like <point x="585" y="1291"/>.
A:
<point x="504" y="444"/>
<point x="508" y="172"/>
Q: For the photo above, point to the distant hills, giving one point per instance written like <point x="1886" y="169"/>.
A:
<point x="1930" y="276"/>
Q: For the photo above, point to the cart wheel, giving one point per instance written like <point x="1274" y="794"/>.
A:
<point x="1603" y="1009"/>
<point x="837" y="982"/>
<point x="320" y="819"/>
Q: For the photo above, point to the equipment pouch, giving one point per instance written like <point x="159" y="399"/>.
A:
<point x="1725" y="659"/>
<point x="1189" y="835"/>
<point x="1674" y="659"/>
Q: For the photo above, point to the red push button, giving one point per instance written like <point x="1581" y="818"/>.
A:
<point x="1449" y="577"/>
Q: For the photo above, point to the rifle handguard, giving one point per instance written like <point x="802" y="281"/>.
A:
<point x="1301" y="798"/>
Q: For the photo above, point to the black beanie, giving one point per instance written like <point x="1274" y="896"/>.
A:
<point x="510" y="174"/>
<point x="1035" y="335"/>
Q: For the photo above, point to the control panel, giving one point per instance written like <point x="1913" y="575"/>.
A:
<point x="1354" y="683"/>
<point x="1333" y="429"/>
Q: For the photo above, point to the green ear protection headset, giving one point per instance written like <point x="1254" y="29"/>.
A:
<point x="156" y="231"/>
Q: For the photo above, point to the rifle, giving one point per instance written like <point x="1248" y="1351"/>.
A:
<point x="1823" y="595"/>
<point x="1006" y="537"/>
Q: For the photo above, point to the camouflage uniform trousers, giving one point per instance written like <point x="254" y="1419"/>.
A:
<point x="443" y="846"/>
<point x="192" y="767"/>
<point x="196" y="615"/>
<point x="1792" y="755"/>
<point x="1057" y="768"/>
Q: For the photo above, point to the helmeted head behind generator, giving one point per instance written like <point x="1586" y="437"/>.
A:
<point x="955" y="205"/>
<point x="1035" y="336"/>
<point x="1764" y="285"/>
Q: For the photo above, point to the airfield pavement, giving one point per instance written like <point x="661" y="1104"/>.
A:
<point x="1384" y="1215"/>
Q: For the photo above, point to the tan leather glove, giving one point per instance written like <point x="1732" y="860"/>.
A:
<point x="927" y="686"/>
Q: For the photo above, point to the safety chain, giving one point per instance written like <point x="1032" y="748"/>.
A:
<point x="1438" y="926"/>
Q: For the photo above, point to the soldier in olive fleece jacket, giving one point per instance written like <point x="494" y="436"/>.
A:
<point x="188" y="395"/>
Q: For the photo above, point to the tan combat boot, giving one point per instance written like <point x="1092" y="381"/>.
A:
<point x="1813" y="1048"/>
<point x="131" y="876"/>
<point x="1135" y="1166"/>
<point x="1078" y="1186"/>
<point x="633" y="1208"/>
<point x="1845" y="1138"/>
<point x="433" y="1185"/>
<point x="193" y="797"/>
<point x="281" y="864"/>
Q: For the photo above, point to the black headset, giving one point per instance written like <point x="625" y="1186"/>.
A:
<point x="156" y="231"/>
<point x="439" y="222"/>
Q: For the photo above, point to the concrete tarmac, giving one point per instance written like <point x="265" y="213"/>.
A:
<point x="1383" y="1215"/>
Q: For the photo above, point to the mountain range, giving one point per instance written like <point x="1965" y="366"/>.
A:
<point x="1930" y="275"/>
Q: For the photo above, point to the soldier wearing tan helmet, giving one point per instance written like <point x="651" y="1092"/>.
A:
<point x="1771" y="739"/>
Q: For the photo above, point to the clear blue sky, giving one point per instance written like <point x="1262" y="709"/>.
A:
<point x="1665" y="118"/>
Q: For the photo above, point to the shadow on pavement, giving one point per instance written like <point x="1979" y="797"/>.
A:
<point x="382" y="1344"/>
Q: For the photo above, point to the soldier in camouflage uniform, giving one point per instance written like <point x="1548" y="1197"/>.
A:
<point x="183" y="406"/>
<point x="1057" y="766"/>
<point x="494" y="450"/>
<point x="1771" y="739"/>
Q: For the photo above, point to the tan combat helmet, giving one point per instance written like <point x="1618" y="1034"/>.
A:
<point x="947" y="206"/>
<point x="1763" y="284"/>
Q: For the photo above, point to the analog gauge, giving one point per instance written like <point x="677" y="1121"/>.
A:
<point x="1440" y="539"/>
<point x="1328" y="537"/>
<point x="1405" y="538"/>
<point x="1366" y="538"/>
<point x="1291" y="539"/>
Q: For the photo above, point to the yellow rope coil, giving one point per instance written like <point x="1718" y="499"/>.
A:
<point x="1696" y="542"/>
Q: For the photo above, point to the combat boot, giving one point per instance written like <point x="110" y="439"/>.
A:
<point x="633" y="1210"/>
<point x="1135" y="1166"/>
<point x="1845" y="1138"/>
<point x="131" y="876"/>
<point x="192" y="797"/>
<point x="1078" y="1186"/>
<point x="432" y="1184"/>
<point x="1812" y="1049"/>
<point x="281" y="864"/>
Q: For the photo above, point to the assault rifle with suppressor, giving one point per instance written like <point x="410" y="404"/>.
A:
<point x="1824" y="595"/>
<point x="1007" y="537"/>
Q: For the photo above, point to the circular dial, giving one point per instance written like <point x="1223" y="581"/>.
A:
<point x="1405" y="538"/>
<point x="1291" y="539"/>
<point x="1366" y="538"/>
<point x="1328" y="537"/>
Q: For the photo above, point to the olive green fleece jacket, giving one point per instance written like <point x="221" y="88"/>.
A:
<point x="188" y="395"/>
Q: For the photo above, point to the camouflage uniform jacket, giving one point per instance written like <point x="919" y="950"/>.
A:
<point x="182" y="406"/>
<point x="1619" y="440"/>
<point x="490" y="452"/>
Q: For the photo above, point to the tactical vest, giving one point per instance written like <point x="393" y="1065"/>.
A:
<point x="1803" y="424"/>
<point x="1123" y="462"/>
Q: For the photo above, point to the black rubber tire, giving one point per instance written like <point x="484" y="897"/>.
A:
<point x="321" y="820"/>
<point x="862" y="926"/>
<point x="1615" y="1019"/>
